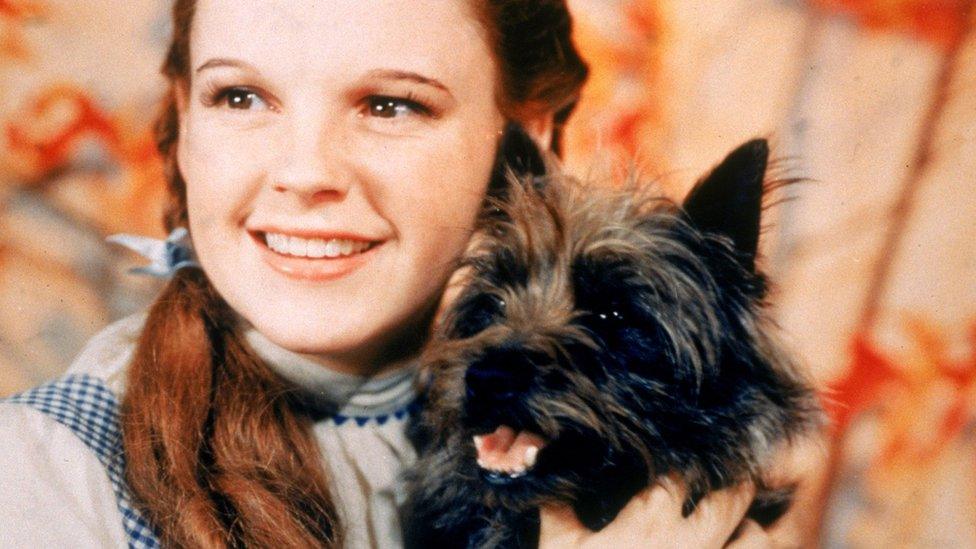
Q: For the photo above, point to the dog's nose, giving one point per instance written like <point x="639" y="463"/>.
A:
<point x="502" y="375"/>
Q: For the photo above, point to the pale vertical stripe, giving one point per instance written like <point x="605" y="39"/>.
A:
<point x="865" y="98"/>
<point x="730" y="69"/>
<point x="935" y="271"/>
<point x="366" y="464"/>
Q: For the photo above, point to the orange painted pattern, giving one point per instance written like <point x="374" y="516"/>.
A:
<point x="53" y="123"/>
<point x="44" y="139"/>
<point x="19" y="9"/>
<point x="13" y="14"/>
<point x="925" y="400"/>
<point x="941" y="22"/>
<point x="620" y="114"/>
<point x="862" y="386"/>
<point x="949" y="386"/>
<point x="921" y="404"/>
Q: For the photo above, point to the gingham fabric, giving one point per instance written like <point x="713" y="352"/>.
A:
<point x="86" y="406"/>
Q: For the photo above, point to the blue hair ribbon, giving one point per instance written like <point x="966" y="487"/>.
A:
<point x="165" y="256"/>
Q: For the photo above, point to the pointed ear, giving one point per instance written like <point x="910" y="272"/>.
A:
<point x="728" y="201"/>
<point x="518" y="162"/>
<point x="519" y="152"/>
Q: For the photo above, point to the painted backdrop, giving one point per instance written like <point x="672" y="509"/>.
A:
<point x="873" y="258"/>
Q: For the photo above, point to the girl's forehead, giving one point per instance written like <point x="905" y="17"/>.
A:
<point x="423" y="36"/>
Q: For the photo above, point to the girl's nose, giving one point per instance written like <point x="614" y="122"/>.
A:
<point x="312" y="164"/>
<point x="310" y="189"/>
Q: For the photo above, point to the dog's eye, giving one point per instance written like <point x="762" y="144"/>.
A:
<point x="611" y="315"/>
<point x="478" y="313"/>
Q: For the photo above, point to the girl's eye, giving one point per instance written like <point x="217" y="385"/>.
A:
<point x="242" y="99"/>
<point x="381" y="106"/>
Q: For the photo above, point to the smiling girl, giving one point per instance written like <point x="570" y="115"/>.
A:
<point x="329" y="159"/>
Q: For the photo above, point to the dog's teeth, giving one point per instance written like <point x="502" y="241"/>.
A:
<point x="482" y="464"/>
<point x="478" y="441"/>
<point x="531" y="453"/>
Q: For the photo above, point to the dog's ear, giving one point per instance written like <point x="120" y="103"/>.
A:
<point x="518" y="152"/>
<point x="519" y="162"/>
<point x="728" y="201"/>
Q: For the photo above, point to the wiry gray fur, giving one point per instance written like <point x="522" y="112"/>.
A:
<point x="689" y="381"/>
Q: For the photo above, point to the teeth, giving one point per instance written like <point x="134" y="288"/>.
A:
<point x="510" y="473"/>
<point x="528" y="461"/>
<point x="298" y="246"/>
<point x="315" y="247"/>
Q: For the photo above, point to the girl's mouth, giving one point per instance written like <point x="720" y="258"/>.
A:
<point x="314" y="258"/>
<point x="315" y="248"/>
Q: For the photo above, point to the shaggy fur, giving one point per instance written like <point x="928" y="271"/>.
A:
<point x="628" y="332"/>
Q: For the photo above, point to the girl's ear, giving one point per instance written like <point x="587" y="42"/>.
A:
<point x="540" y="128"/>
<point x="181" y="90"/>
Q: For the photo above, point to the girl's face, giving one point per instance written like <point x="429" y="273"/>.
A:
<point x="336" y="154"/>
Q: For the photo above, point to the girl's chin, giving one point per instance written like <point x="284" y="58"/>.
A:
<point x="324" y="342"/>
<point x="338" y="353"/>
<point x="353" y="347"/>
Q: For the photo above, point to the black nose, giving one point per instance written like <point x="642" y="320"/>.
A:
<point x="502" y="375"/>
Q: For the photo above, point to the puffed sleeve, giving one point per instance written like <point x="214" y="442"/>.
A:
<point x="54" y="492"/>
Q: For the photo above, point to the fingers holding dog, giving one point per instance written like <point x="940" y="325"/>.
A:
<point x="717" y="516"/>
<point x="653" y="518"/>
<point x="749" y="535"/>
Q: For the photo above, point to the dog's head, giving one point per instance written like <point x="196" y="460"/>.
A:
<point x="607" y="331"/>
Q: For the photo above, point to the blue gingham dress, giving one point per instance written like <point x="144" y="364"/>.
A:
<point x="60" y="446"/>
<point x="86" y="406"/>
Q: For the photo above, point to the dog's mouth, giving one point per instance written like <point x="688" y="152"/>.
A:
<point x="506" y="454"/>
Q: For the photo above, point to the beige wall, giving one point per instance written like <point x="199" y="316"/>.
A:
<point x="874" y="101"/>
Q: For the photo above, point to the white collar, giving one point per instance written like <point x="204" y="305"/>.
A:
<point x="336" y="392"/>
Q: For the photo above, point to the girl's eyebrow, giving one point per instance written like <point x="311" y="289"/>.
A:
<point x="393" y="74"/>
<point x="225" y="62"/>
<point x="381" y="74"/>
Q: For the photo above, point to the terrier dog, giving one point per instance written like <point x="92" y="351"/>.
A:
<point x="604" y="338"/>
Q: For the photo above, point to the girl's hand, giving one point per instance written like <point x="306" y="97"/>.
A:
<point x="653" y="519"/>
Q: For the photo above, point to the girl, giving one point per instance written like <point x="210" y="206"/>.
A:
<point x="329" y="159"/>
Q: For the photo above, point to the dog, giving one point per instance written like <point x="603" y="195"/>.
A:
<point x="604" y="337"/>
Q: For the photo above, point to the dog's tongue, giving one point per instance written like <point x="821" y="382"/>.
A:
<point x="508" y="451"/>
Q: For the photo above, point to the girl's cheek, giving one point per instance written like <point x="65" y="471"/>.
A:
<point x="447" y="159"/>
<point x="221" y="155"/>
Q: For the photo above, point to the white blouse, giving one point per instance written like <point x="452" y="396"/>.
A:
<point x="54" y="492"/>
